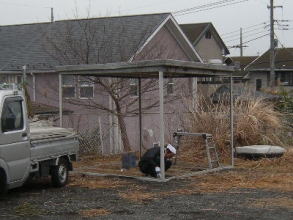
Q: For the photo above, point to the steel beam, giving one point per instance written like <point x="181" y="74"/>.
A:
<point x="162" y="129"/>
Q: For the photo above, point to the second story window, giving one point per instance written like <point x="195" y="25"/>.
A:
<point x="170" y="87"/>
<point x="133" y="91"/>
<point x="68" y="86"/>
<point x="86" y="88"/>
<point x="208" y="35"/>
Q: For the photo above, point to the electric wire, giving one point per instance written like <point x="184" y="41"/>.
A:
<point x="207" y="7"/>
<point x="202" y="6"/>
<point x="245" y="33"/>
<point x="249" y="35"/>
<point x="245" y="28"/>
<point x="248" y="41"/>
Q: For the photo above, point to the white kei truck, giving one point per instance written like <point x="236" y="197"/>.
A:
<point x="31" y="151"/>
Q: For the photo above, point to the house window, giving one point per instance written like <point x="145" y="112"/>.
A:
<point x="12" y="115"/>
<point x="133" y="87"/>
<point x="68" y="86"/>
<point x="287" y="79"/>
<point x="170" y="87"/>
<point x="205" y="80"/>
<point x="3" y="79"/>
<point x="86" y="88"/>
<point x="19" y="79"/>
<point x="208" y="35"/>
<point x="258" y="84"/>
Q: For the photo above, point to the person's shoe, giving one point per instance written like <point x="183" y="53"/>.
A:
<point x="159" y="175"/>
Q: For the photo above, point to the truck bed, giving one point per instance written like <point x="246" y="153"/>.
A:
<point x="41" y="130"/>
<point x="50" y="142"/>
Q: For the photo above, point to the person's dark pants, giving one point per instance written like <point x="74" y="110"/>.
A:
<point x="149" y="168"/>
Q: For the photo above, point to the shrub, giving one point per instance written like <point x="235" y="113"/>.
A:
<point x="255" y="122"/>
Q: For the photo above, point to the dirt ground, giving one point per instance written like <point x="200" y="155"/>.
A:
<point x="253" y="190"/>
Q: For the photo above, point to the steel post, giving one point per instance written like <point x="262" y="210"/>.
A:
<point x="162" y="132"/>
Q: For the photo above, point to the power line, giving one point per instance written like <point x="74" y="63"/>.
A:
<point x="249" y="27"/>
<point x="254" y="39"/>
<point x="206" y="8"/>
<point x="202" y="6"/>
<point x="247" y="33"/>
<point x="252" y="34"/>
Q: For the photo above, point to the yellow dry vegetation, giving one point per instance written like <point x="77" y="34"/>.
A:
<point x="137" y="196"/>
<point x="94" y="212"/>
<point x="89" y="160"/>
<point x="273" y="174"/>
<point x="96" y="183"/>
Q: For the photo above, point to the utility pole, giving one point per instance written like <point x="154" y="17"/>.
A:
<point x="241" y="43"/>
<point x="52" y="15"/>
<point x="272" y="78"/>
<point x="272" y="46"/>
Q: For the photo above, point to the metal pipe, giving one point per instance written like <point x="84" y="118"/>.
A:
<point x="60" y="101"/>
<point x="34" y="86"/>
<point x="231" y="120"/>
<point x="140" y="116"/>
<point x="162" y="132"/>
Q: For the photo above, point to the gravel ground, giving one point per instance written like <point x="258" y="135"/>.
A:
<point x="38" y="200"/>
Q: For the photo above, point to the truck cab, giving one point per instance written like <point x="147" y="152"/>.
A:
<point x="47" y="151"/>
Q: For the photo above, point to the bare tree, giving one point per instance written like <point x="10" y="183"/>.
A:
<point x="86" y="42"/>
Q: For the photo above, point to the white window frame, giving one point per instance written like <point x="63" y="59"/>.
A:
<point x="90" y="84"/>
<point x="170" y="84"/>
<point x="69" y="86"/>
<point x="134" y="82"/>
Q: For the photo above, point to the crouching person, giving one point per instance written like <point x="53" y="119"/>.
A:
<point x="149" y="163"/>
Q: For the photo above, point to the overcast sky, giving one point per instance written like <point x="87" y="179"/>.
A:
<point x="226" y="19"/>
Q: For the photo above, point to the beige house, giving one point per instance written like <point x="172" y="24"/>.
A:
<point x="206" y="41"/>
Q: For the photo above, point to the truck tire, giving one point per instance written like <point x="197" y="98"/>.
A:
<point x="3" y="182"/>
<point x="59" y="173"/>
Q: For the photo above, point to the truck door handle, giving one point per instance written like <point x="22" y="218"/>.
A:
<point x="24" y="134"/>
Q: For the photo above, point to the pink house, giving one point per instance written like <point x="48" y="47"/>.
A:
<point x="43" y="46"/>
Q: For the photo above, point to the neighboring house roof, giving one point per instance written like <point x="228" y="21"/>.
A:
<point x="35" y="45"/>
<point x="223" y="92"/>
<point x="43" y="109"/>
<point x="243" y="61"/>
<point x="283" y="60"/>
<point x="240" y="63"/>
<point x="195" y="32"/>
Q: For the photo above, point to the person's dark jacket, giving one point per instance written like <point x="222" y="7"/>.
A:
<point x="152" y="156"/>
<point x="150" y="160"/>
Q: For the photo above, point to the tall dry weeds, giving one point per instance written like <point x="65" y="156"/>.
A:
<point x="255" y="122"/>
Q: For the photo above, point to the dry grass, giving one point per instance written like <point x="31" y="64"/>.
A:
<point x="255" y="122"/>
<point x="283" y="202"/>
<point x="97" y="183"/>
<point x="137" y="196"/>
<point x="94" y="212"/>
<point x="88" y="160"/>
<point x="272" y="174"/>
<point x="266" y="174"/>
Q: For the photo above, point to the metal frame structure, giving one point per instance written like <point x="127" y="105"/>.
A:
<point x="152" y="69"/>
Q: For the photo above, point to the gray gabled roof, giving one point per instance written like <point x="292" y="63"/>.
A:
<point x="112" y="39"/>
<point x="223" y="93"/>
<point x="196" y="31"/>
<point x="283" y="60"/>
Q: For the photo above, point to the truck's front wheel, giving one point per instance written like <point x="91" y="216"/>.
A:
<point x="3" y="182"/>
<point x="59" y="174"/>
